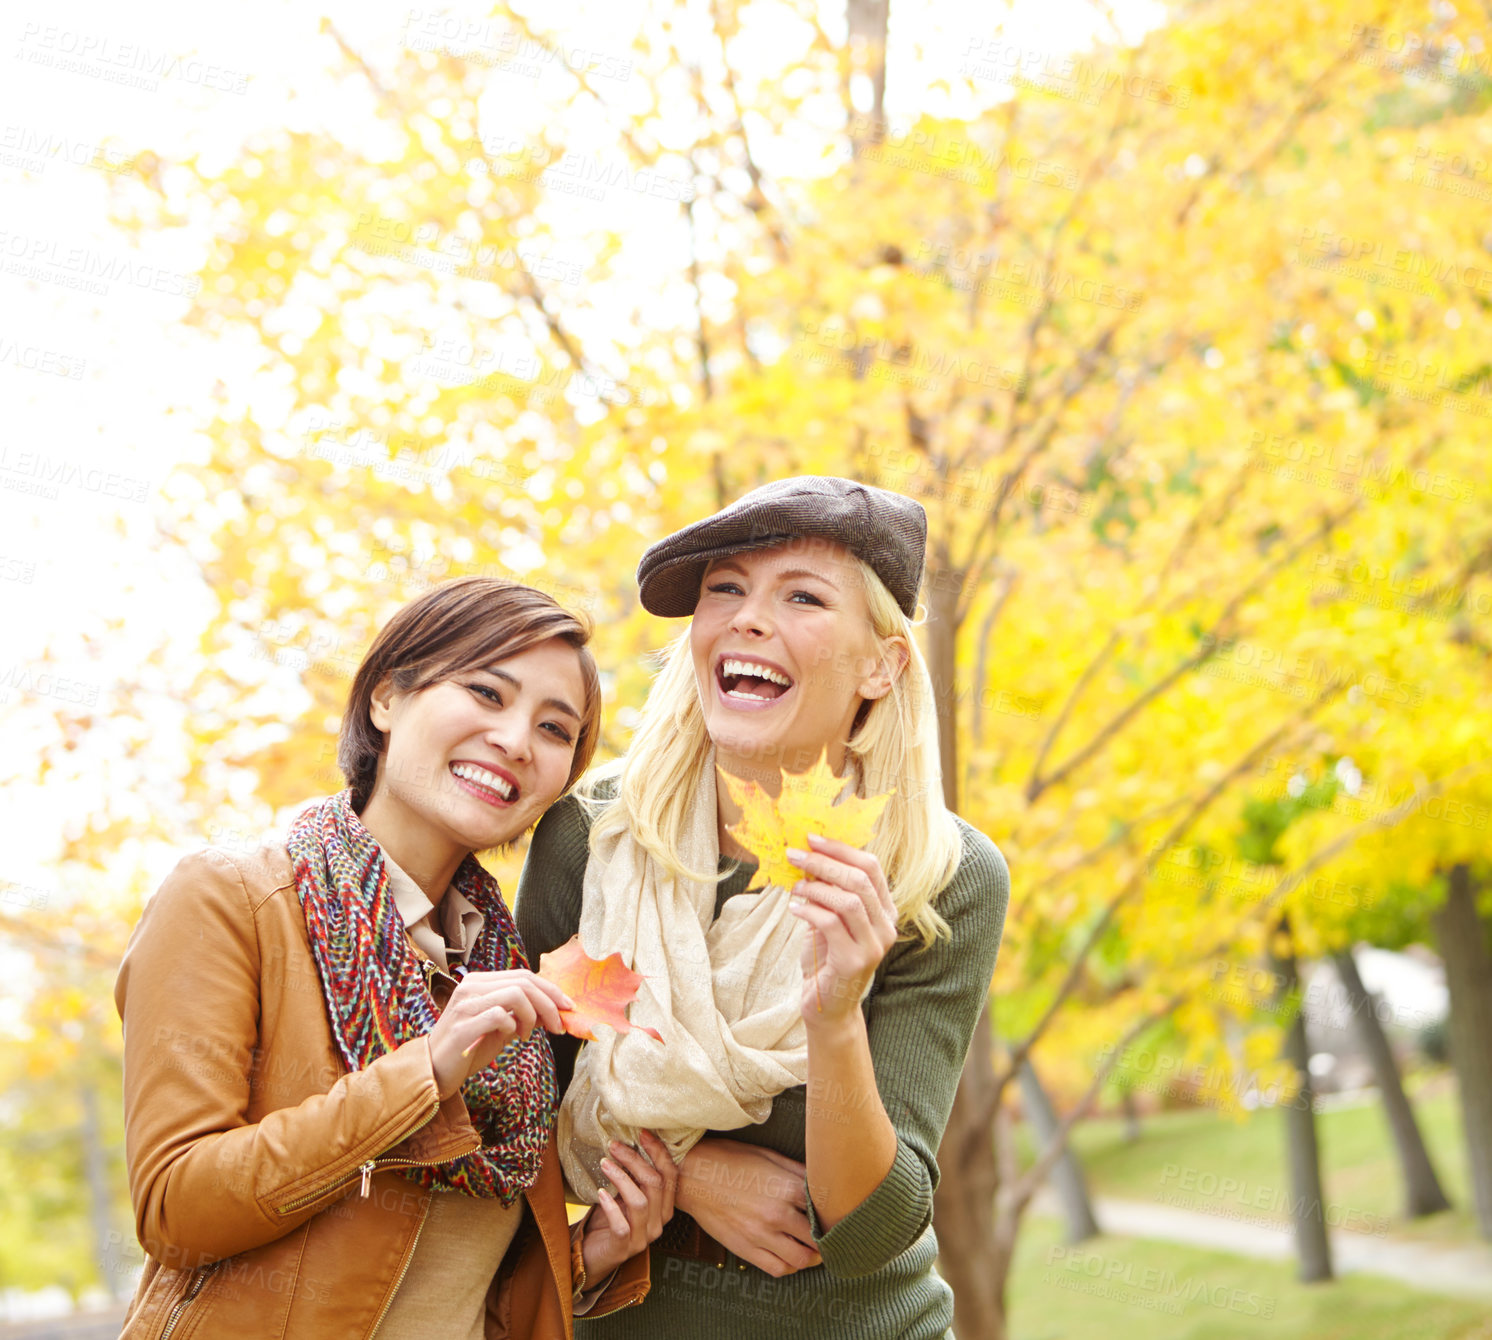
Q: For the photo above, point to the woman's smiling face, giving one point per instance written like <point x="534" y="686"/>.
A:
<point x="476" y="759"/>
<point x="784" y="653"/>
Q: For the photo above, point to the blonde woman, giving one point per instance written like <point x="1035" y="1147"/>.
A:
<point x="813" y="1036"/>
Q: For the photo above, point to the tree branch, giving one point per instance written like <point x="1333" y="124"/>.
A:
<point x="757" y="201"/>
<point x="1303" y="108"/>
<point x="529" y="284"/>
<point x="33" y="937"/>
<point x="1212" y="642"/>
<point x="1388" y="819"/>
<point x="1136" y="879"/>
<point x="639" y="155"/>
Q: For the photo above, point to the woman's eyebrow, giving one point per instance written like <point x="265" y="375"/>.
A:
<point x="805" y="572"/>
<point x="780" y="576"/>
<point x="559" y="704"/>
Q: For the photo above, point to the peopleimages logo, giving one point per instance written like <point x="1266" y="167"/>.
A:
<point x="1232" y="1197"/>
<point x="1378" y="260"/>
<point x="40" y="473"/>
<point x="35" y="358"/>
<point x="491" y="42"/>
<point x="86" y="269"/>
<point x="1007" y="275"/>
<point x="998" y="61"/>
<point x="1146" y="1286"/>
<point x="104" y="57"/>
<point x="33" y="683"/>
<point x="922" y="365"/>
<point x="32" y="148"/>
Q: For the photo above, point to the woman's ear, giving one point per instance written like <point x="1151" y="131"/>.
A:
<point x="381" y="704"/>
<point x="894" y="659"/>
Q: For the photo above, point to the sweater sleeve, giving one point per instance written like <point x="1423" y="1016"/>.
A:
<point x="547" y="900"/>
<point x="920" y="1022"/>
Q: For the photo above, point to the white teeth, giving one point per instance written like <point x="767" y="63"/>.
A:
<point x="471" y="773"/>
<point x="757" y="672"/>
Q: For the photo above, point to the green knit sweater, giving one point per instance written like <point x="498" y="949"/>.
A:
<point x="877" y="1280"/>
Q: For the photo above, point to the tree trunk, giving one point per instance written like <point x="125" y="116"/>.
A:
<point x="1422" y="1190"/>
<point x="1468" y="977"/>
<point x="969" y="1253"/>
<point x="98" y="1192"/>
<point x="867" y="21"/>
<point x="1067" y="1176"/>
<point x="941" y="594"/>
<point x="1308" y="1205"/>
<point x="1131" y="1116"/>
<point x="964" y="1203"/>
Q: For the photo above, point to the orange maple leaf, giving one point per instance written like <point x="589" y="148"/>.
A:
<point x="768" y="827"/>
<point x="601" y="989"/>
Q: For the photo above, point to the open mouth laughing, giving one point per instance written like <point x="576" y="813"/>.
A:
<point x="748" y="681"/>
<point x="495" y="787"/>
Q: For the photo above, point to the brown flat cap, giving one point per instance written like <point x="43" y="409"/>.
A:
<point x="887" y="530"/>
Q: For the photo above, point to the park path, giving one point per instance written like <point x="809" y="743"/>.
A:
<point x="1463" y="1270"/>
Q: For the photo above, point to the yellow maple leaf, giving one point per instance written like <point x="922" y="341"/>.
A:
<point x="768" y="827"/>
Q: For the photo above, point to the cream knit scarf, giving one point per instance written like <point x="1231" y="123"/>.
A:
<point x="724" y="993"/>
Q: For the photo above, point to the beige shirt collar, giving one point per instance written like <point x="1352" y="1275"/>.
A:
<point x="460" y="922"/>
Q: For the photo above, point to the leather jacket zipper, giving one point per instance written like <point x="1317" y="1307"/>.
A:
<point x="373" y="1165"/>
<point x="365" y="1169"/>
<point x="403" y="1271"/>
<point x="194" y="1287"/>
<point x="301" y="1201"/>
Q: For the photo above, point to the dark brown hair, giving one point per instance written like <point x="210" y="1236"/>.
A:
<point x="459" y="626"/>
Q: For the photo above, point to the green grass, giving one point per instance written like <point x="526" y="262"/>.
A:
<point x="1161" y="1291"/>
<point x="1186" y="1154"/>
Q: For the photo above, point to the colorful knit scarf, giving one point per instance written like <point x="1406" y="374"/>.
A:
<point x="377" y="996"/>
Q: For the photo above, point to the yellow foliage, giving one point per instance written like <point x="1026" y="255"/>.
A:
<point x="809" y="802"/>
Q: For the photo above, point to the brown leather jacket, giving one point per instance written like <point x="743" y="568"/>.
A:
<point x="260" y="1168"/>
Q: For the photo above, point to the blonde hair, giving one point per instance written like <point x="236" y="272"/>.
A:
<point x="895" y="742"/>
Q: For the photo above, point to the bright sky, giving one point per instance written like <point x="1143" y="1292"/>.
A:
<point x="102" y="386"/>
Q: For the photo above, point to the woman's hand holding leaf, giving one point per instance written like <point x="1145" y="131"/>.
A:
<point x="846" y="901"/>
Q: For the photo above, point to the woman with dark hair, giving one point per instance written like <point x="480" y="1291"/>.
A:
<point x="814" y="1035"/>
<point x="339" y="1092"/>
